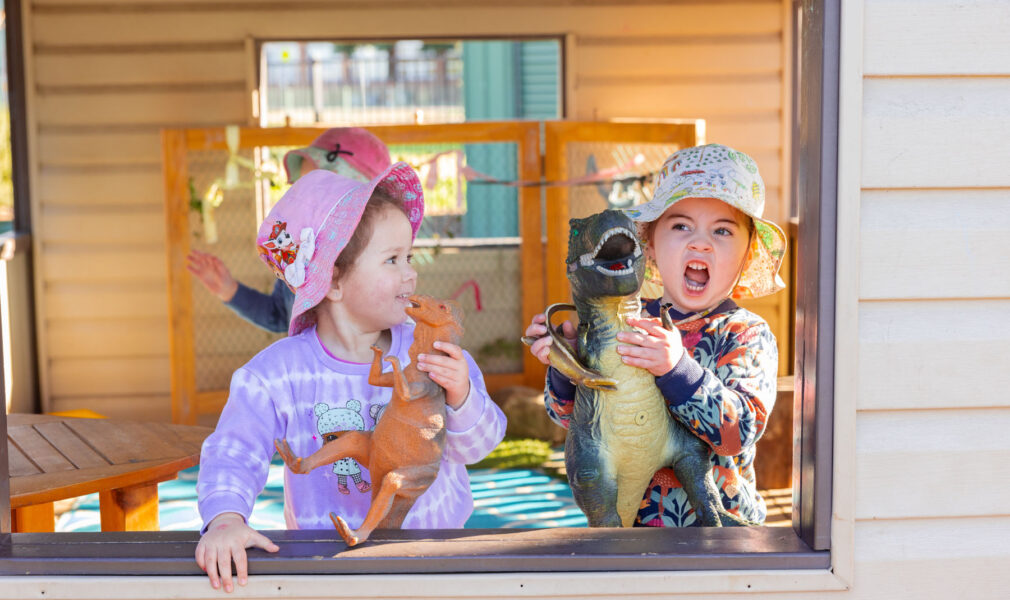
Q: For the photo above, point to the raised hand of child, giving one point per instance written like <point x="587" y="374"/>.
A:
<point x="213" y="274"/>
<point x="655" y="348"/>
<point x="451" y="372"/>
<point x="226" y="539"/>
<point x="542" y="347"/>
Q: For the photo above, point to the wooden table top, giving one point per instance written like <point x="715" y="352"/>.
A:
<point x="52" y="458"/>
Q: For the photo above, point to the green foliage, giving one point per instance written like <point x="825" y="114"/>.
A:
<point x="503" y="347"/>
<point x="450" y="187"/>
<point x="516" y="453"/>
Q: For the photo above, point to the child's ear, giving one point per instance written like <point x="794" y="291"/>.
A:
<point x="335" y="293"/>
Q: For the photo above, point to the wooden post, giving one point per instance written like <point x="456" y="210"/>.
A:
<point x="531" y="250"/>
<point x="180" y="299"/>
<point x="132" y="508"/>
<point x="37" y="518"/>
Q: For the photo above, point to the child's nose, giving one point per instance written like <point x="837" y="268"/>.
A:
<point x="700" y="243"/>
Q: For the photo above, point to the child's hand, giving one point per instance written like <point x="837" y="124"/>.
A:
<point x="226" y="539"/>
<point x="657" y="350"/>
<point x="542" y="347"/>
<point x="213" y="274"/>
<point x="451" y="372"/>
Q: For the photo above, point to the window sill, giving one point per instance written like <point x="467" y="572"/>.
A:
<point x="420" y="551"/>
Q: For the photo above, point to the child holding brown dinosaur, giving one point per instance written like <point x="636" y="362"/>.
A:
<point x="344" y="247"/>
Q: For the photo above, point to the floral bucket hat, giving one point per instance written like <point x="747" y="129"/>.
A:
<point x="311" y="224"/>
<point x="717" y="171"/>
<point x="349" y="151"/>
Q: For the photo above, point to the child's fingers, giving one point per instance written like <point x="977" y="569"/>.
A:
<point x="651" y="325"/>
<point x="436" y="370"/>
<point x="638" y="339"/>
<point x="224" y="569"/>
<point x="451" y="349"/>
<point x="634" y="362"/>
<point x="635" y="351"/>
<point x="537" y="326"/>
<point x="425" y="360"/>
<point x="211" y="568"/>
<point x="542" y="349"/>
<point x="261" y="541"/>
<point x="241" y="567"/>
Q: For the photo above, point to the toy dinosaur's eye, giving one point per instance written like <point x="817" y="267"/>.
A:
<point x="442" y="306"/>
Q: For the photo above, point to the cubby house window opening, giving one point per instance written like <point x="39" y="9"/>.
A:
<point x="168" y="553"/>
<point x="403" y="81"/>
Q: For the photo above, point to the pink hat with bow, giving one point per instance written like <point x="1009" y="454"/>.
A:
<point x="307" y="229"/>
<point x="350" y="151"/>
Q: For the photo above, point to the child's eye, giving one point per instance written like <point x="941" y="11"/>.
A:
<point x="723" y="231"/>
<point x="680" y="227"/>
<point x="410" y="258"/>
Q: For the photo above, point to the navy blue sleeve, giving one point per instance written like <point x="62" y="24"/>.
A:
<point x="272" y="312"/>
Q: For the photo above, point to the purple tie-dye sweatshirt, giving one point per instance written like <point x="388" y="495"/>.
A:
<point x="296" y="390"/>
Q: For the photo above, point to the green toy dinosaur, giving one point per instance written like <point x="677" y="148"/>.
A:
<point x="620" y="431"/>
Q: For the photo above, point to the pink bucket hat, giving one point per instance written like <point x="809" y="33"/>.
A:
<point x="720" y="172"/>
<point x="311" y="224"/>
<point x="349" y="151"/>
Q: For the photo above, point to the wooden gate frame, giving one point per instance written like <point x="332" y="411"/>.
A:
<point x="187" y="402"/>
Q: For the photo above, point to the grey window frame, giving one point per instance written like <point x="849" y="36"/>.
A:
<point x="805" y="546"/>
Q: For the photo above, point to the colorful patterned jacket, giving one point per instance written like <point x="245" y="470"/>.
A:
<point x="723" y="390"/>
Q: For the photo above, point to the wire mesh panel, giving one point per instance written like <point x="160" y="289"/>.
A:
<point x="224" y="217"/>
<point x="624" y="171"/>
<point x="455" y="259"/>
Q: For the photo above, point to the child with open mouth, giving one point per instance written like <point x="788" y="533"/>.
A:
<point x="707" y="244"/>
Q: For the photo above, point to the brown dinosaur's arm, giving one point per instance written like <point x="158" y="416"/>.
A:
<point x="375" y="376"/>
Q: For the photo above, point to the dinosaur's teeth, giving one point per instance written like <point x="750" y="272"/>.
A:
<point x="609" y="273"/>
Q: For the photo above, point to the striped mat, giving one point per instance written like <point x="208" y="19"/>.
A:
<point x="503" y="498"/>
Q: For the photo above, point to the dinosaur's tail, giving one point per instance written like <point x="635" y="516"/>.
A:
<point x="731" y="520"/>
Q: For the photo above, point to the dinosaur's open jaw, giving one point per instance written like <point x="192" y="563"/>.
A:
<point x="614" y="254"/>
<point x="412" y="305"/>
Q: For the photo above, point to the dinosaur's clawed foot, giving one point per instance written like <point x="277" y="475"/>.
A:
<point x="294" y="463"/>
<point x="349" y="535"/>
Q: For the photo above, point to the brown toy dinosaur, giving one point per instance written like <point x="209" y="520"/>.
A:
<point x="404" y="451"/>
